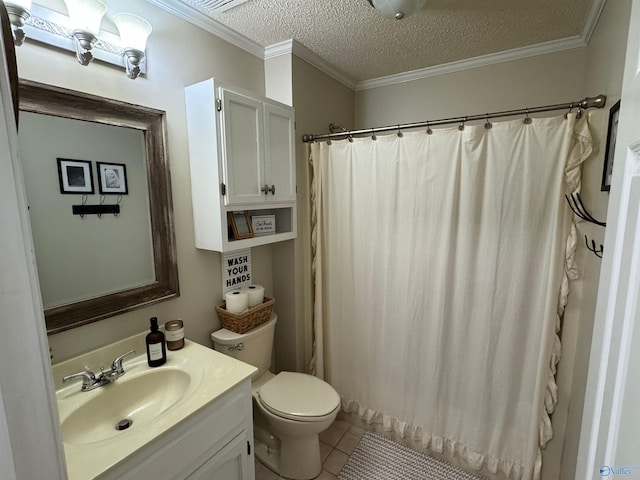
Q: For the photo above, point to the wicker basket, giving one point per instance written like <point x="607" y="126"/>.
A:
<point x="245" y="321"/>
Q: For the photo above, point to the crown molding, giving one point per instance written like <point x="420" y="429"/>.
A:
<point x="475" y="62"/>
<point x="287" y="47"/>
<point x="294" y="47"/>
<point x="577" y="41"/>
<point x="592" y="19"/>
<point x="199" y="19"/>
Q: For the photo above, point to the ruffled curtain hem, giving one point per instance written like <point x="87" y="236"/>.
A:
<point x="475" y="460"/>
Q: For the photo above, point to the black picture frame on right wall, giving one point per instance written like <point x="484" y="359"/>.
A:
<point x="610" y="151"/>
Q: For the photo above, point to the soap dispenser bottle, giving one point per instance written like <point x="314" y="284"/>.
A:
<point x="156" y="351"/>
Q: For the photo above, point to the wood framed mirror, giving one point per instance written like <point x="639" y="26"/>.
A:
<point x="150" y="125"/>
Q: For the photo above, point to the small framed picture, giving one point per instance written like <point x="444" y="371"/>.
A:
<point x="240" y="225"/>
<point x="112" y="178"/>
<point x="75" y="176"/>
<point x="610" y="151"/>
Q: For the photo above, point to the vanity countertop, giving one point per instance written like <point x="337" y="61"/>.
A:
<point x="211" y="374"/>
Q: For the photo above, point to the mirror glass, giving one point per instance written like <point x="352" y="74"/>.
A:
<point x="97" y="182"/>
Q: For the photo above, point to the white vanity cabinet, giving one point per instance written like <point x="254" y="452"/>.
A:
<point x="216" y="443"/>
<point x="242" y="158"/>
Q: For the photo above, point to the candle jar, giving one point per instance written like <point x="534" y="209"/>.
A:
<point x="174" y="333"/>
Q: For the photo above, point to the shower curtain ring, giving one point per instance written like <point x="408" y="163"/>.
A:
<point x="350" y="138"/>
<point x="329" y="142"/>
<point x="527" y="118"/>
<point x="400" y="134"/>
<point x="579" y="113"/>
<point x="566" y="115"/>
<point x="429" y="131"/>
<point x="462" y="124"/>
<point x="487" y="124"/>
<point x="373" y="135"/>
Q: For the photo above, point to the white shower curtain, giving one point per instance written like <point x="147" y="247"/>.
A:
<point x="440" y="266"/>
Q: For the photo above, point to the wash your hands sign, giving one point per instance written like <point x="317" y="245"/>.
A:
<point x="236" y="270"/>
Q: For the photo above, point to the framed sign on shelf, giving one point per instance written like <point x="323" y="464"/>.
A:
<point x="240" y="225"/>
<point x="263" y="224"/>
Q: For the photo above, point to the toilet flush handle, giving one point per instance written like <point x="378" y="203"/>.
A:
<point x="237" y="348"/>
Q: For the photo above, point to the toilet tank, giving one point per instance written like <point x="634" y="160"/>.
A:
<point x="257" y="345"/>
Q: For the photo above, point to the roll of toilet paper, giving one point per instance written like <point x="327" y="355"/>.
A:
<point x="237" y="301"/>
<point x="256" y="294"/>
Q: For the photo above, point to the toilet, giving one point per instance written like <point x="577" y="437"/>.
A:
<point x="290" y="409"/>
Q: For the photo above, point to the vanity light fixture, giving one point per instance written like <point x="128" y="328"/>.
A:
<point x="79" y="32"/>
<point x="397" y="9"/>
<point x="134" y="31"/>
<point x="19" y="12"/>
<point x="85" y="17"/>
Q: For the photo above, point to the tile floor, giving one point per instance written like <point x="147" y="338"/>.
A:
<point x="336" y="444"/>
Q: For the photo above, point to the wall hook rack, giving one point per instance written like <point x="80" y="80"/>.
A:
<point x="575" y="202"/>
<point x="598" y="251"/>
<point x="99" y="210"/>
<point x="577" y="206"/>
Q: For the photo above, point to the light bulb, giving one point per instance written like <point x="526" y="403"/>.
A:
<point x="134" y="30"/>
<point x="25" y="4"/>
<point x="86" y="15"/>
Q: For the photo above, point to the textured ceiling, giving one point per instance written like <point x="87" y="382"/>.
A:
<point x="363" y="45"/>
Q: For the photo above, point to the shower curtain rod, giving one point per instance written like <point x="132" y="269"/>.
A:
<point x="585" y="103"/>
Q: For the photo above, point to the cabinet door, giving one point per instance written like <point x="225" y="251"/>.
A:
<point x="242" y="146"/>
<point x="230" y="463"/>
<point x="280" y="166"/>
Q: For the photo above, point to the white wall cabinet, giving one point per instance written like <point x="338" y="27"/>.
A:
<point x="215" y="443"/>
<point x="242" y="157"/>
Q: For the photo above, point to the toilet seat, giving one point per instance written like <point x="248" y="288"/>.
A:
<point x="299" y="397"/>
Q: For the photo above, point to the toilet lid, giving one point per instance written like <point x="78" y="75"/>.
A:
<point x="299" y="395"/>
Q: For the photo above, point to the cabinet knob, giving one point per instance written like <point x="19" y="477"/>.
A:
<point x="266" y="189"/>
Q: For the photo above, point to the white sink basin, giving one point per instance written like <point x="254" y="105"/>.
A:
<point x="131" y="401"/>
<point x="154" y="399"/>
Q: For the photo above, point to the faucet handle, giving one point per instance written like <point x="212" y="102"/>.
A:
<point x="88" y="379"/>
<point x="117" y="363"/>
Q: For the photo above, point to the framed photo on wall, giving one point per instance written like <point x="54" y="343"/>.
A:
<point x="112" y="178"/>
<point x="611" y="147"/>
<point x="240" y="225"/>
<point x="75" y="176"/>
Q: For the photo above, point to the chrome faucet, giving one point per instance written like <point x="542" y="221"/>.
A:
<point x="91" y="382"/>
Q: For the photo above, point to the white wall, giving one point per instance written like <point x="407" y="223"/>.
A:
<point x="547" y="79"/>
<point x="603" y="73"/>
<point x="533" y="81"/>
<point x="278" y="79"/>
<point x="319" y="100"/>
<point x="179" y="54"/>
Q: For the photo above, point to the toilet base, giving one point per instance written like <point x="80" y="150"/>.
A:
<point x="283" y="456"/>
<point x="266" y="448"/>
<point x="295" y="448"/>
